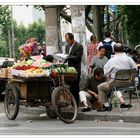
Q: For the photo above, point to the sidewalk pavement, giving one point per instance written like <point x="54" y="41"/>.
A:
<point x="132" y="115"/>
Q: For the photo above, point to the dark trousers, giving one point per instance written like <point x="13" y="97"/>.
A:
<point x="74" y="88"/>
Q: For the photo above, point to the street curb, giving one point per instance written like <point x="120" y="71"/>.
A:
<point x="109" y="118"/>
<point x="130" y="117"/>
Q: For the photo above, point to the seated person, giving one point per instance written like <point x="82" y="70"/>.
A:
<point x="49" y="58"/>
<point x="90" y="90"/>
<point x="99" y="60"/>
<point x="117" y="62"/>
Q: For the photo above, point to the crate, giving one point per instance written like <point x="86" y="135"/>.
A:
<point x="70" y="76"/>
<point x="9" y="73"/>
<point x="4" y="73"/>
<point x="35" y="90"/>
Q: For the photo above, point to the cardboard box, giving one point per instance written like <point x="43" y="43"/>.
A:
<point x="4" y="73"/>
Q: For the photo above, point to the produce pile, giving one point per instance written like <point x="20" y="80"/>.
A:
<point x="36" y="66"/>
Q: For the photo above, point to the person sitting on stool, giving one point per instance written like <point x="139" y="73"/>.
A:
<point x="90" y="91"/>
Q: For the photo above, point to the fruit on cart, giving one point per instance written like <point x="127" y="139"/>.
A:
<point x="34" y="72"/>
<point x="37" y="57"/>
<point x="61" y="70"/>
<point x="24" y="67"/>
<point x="36" y="63"/>
<point x="45" y="65"/>
<point x="71" y="70"/>
<point x="42" y="61"/>
<point x="54" y="72"/>
<point x="29" y="62"/>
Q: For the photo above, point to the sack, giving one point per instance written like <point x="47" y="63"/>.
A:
<point x="108" y="47"/>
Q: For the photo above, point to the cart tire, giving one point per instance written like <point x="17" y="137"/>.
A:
<point x="11" y="102"/>
<point x="64" y="104"/>
<point x="51" y="113"/>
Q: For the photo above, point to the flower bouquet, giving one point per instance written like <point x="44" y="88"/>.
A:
<point x="25" y="50"/>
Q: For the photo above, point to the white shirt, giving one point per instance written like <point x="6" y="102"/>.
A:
<point x="107" y="40"/>
<point x="71" y="47"/>
<point x="117" y="62"/>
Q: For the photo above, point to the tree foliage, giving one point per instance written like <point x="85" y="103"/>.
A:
<point x="5" y="16"/>
<point x="5" y="22"/>
<point x="132" y="23"/>
<point x="37" y="29"/>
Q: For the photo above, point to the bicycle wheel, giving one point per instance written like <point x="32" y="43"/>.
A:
<point x="11" y="102"/>
<point x="64" y="104"/>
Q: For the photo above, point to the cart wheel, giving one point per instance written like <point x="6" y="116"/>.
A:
<point x="64" y="104"/>
<point x="51" y="112"/>
<point x="11" y="102"/>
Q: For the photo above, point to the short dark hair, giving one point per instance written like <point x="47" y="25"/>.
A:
<point x="107" y="34"/>
<point x="101" y="47"/>
<point x="49" y="58"/>
<point x="71" y="36"/>
<point x="118" y="47"/>
<point x="98" y="71"/>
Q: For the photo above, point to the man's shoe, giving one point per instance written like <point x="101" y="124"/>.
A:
<point x="125" y="106"/>
<point x="86" y="109"/>
<point x="109" y="108"/>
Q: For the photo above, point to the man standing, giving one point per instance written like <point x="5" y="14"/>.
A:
<point x="75" y="51"/>
<point x="119" y="61"/>
<point x="108" y="43"/>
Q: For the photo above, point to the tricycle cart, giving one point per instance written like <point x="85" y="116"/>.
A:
<point x="50" y="92"/>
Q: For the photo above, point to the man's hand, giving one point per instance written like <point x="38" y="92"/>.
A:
<point x="96" y="96"/>
<point x="93" y="93"/>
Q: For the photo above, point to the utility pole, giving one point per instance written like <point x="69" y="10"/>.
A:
<point x="12" y="34"/>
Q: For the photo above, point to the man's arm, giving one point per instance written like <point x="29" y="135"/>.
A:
<point x="113" y="44"/>
<point x="133" y="64"/>
<point x="107" y="69"/>
<point x="93" y="93"/>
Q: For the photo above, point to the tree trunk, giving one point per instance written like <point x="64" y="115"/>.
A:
<point x="107" y="18"/>
<point x="79" y="31"/>
<point x="52" y="32"/>
<point x="9" y="44"/>
<point x="12" y="35"/>
<point x="97" y="19"/>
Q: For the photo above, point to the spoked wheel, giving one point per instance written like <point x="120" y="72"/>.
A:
<point x="64" y="104"/>
<point x="11" y="102"/>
